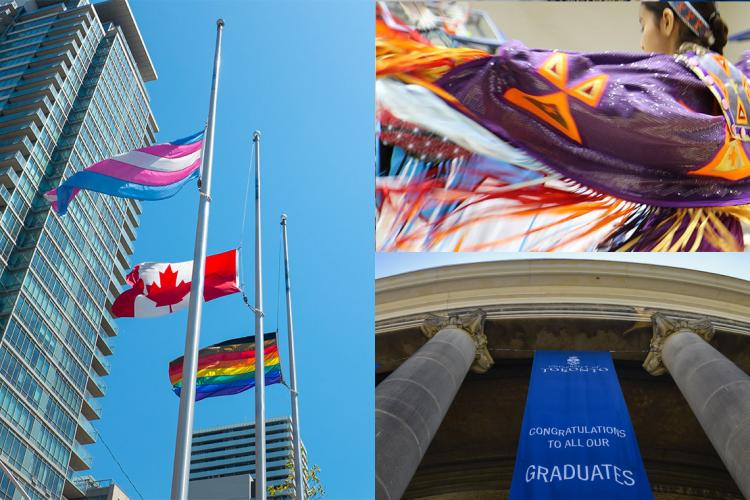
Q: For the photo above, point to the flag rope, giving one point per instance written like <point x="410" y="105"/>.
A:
<point x="241" y="259"/>
<point x="278" y="281"/>
<point x="255" y="310"/>
<point x="242" y="237"/>
<point x="111" y="453"/>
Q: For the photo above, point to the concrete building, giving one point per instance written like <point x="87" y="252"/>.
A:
<point x="100" y="490"/>
<point x="71" y="93"/>
<point x="223" y="458"/>
<point x="239" y="487"/>
<point x="454" y="347"/>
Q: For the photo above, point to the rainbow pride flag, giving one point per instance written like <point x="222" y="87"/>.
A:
<point x="229" y="367"/>
<point x="151" y="173"/>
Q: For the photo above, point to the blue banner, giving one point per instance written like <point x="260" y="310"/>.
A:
<point x="577" y="441"/>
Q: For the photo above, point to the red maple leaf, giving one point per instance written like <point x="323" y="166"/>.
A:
<point x="167" y="292"/>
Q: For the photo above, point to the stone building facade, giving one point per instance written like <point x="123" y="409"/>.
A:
<point x="454" y="347"/>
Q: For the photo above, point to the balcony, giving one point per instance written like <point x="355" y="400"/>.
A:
<point x="104" y="344"/>
<point x="120" y="272"/>
<point x="75" y="34"/>
<point x="21" y="143"/>
<point x="43" y="12"/>
<point x="14" y="160"/>
<point x="121" y="257"/>
<point x="73" y="488"/>
<point x="19" y="261"/>
<point x="96" y="385"/>
<point x="26" y="240"/>
<point x="55" y="48"/>
<point x="7" y="14"/>
<point x="80" y="459"/>
<point x="11" y="75"/>
<point x="35" y="221"/>
<point x="133" y="213"/>
<point x="16" y="104"/>
<point x="127" y="244"/>
<point x="33" y="91"/>
<point x="8" y="178"/>
<point x="13" y="42"/>
<point x="113" y="291"/>
<point x="29" y="115"/>
<point x="7" y="291"/>
<point x="100" y="365"/>
<point x="42" y="74"/>
<point x="88" y="483"/>
<point x="149" y="138"/>
<point x="55" y="57"/>
<point x="108" y="325"/>
<point x="91" y="409"/>
<point x="68" y="23"/>
<point x="129" y="228"/>
<point x="4" y="196"/>
<point x="27" y="129"/>
<point x="85" y="433"/>
<point x="85" y="13"/>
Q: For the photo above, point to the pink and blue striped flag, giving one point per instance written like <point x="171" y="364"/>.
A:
<point x="151" y="173"/>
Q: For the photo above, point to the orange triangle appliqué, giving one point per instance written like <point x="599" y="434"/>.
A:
<point x="741" y="114"/>
<point x="721" y="61"/>
<point x="730" y="162"/>
<point x="590" y="91"/>
<point x="555" y="69"/>
<point x="552" y="109"/>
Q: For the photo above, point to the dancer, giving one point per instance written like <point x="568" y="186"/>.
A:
<point x="616" y="151"/>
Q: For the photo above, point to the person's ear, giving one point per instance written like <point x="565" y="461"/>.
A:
<point x="667" y="24"/>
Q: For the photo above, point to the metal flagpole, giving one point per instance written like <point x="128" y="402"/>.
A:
<point x="181" y="470"/>
<point x="260" y="365"/>
<point x="299" y="480"/>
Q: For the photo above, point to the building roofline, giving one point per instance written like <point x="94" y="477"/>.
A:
<point x="540" y="282"/>
<point x="230" y="427"/>
<point x="120" y="13"/>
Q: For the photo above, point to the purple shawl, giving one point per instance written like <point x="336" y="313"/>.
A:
<point x="634" y="126"/>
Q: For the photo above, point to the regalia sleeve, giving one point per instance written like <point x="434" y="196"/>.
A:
<point x="651" y="149"/>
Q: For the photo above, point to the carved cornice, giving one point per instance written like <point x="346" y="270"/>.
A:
<point x="596" y="286"/>
<point x="470" y="322"/>
<point x="664" y="327"/>
<point x="627" y="314"/>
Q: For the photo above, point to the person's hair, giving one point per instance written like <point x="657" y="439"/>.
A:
<point x="709" y="12"/>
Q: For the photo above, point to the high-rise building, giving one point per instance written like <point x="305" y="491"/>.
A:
<point x="229" y="451"/>
<point x="71" y="93"/>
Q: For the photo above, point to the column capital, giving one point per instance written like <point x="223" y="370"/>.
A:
<point x="663" y="328"/>
<point x="471" y="323"/>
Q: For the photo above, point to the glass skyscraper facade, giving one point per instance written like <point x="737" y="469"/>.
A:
<point x="71" y="93"/>
<point x="230" y="451"/>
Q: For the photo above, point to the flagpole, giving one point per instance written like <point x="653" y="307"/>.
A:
<point x="181" y="470"/>
<point x="260" y="365"/>
<point x="299" y="481"/>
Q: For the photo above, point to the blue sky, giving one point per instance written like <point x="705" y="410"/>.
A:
<point x="301" y="73"/>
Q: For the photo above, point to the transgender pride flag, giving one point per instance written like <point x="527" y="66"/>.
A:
<point x="151" y="173"/>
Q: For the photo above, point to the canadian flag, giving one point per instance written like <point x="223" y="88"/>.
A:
<point x="159" y="288"/>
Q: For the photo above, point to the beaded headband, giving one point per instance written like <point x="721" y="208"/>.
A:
<point x="693" y="19"/>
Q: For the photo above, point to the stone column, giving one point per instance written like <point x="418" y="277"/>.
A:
<point x="717" y="391"/>
<point x="410" y="404"/>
